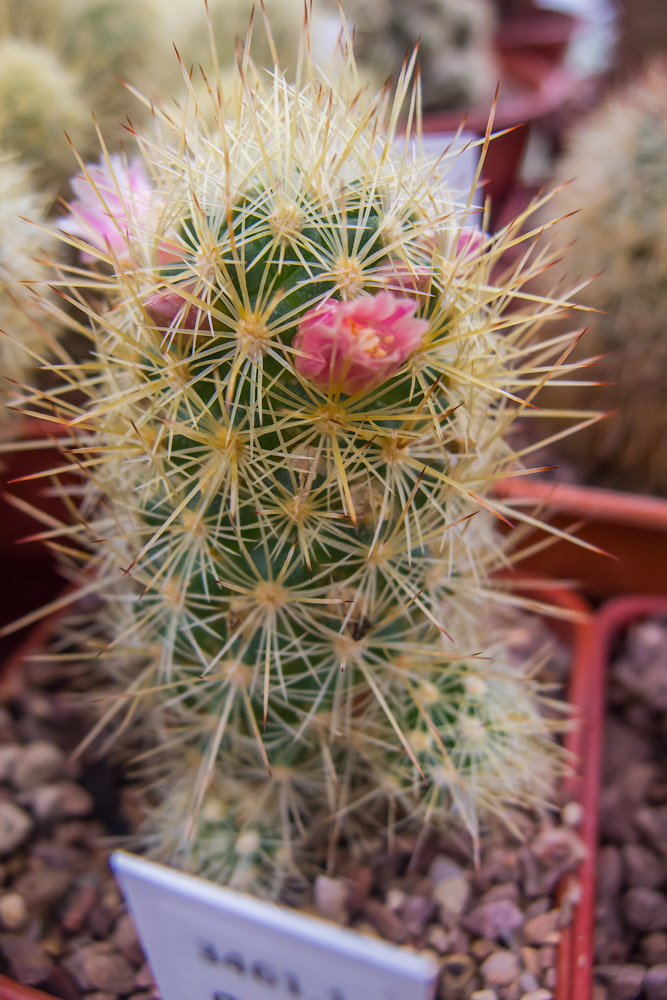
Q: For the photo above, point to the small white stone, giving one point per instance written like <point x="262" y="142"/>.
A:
<point x="453" y="893"/>
<point x="572" y="814"/>
<point x="14" y="913"/>
<point x="395" y="899"/>
<point x="331" y="896"/>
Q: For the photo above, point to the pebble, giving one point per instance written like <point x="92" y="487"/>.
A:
<point x="416" y="912"/>
<point x="28" y="961"/>
<point x="15" y="827"/>
<point x="386" y="922"/>
<point x="655" y="983"/>
<point x="559" y="848"/>
<point x="144" y="978"/>
<point x="43" y="887"/>
<point x="97" y="967"/>
<point x="443" y="867"/>
<point x="609" y="871"/>
<point x="653" y="824"/>
<point x="493" y="920"/>
<point x="572" y="814"/>
<point x="645" y="909"/>
<point x="331" y="898"/>
<point x="9" y="754"/>
<point x="642" y="867"/>
<point x="126" y="940"/>
<point x="455" y="974"/>
<point x="59" y="801"/>
<point x="14" y="913"/>
<point x="37" y="764"/>
<point x="623" y="982"/>
<point x="654" y="948"/>
<point x="453" y="893"/>
<point x="543" y="929"/>
<point x="501" y="968"/>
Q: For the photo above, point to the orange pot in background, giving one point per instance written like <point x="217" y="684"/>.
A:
<point x="630" y="527"/>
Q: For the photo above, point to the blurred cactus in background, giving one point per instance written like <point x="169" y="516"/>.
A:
<point x="617" y="162"/>
<point x="304" y="366"/>
<point x="61" y="59"/>
<point x="455" y="38"/>
<point x="24" y="323"/>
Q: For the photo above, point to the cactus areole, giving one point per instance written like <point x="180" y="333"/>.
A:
<point x="298" y="396"/>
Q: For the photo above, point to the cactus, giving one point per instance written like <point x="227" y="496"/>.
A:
<point x="40" y="100"/>
<point x="455" y="37"/>
<point x="297" y="401"/>
<point x="59" y="59"/>
<point x="24" y="321"/>
<point x="618" y="159"/>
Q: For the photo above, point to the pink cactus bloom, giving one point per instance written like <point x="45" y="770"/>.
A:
<point x="355" y="346"/>
<point x="469" y="242"/>
<point x="111" y="206"/>
<point x="170" y="310"/>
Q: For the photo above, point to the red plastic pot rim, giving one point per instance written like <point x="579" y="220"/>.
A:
<point x="588" y="502"/>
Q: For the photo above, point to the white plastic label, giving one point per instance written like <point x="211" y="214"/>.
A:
<point x="205" y="942"/>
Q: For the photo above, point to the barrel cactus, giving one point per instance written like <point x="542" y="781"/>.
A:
<point x="297" y="404"/>
<point x="617" y="165"/>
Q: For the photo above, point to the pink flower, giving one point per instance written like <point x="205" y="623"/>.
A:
<point x="111" y="206"/>
<point x="169" y="310"/>
<point x="469" y="242"/>
<point x="354" y="346"/>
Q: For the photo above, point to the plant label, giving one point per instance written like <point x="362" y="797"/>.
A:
<point x="206" y="942"/>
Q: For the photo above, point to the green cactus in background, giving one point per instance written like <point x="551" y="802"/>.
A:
<point x="25" y="323"/>
<point x="455" y="38"/>
<point x="61" y="58"/>
<point x="40" y="100"/>
<point x="297" y="405"/>
<point x="617" y="165"/>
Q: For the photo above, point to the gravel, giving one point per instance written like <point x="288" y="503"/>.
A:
<point x="631" y="934"/>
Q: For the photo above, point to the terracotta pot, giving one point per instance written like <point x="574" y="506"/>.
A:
<point x="630" y="527"/>
<point x="545" y="33"/>
<point x="26" y="456"/>
<point x="29" y="571"/>
<point x="575" y="951"/>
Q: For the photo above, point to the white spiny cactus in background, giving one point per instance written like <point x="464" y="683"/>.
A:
<point x="24" y="322"/>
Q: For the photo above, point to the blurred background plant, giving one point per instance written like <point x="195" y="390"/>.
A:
<point x="457" y="61"/>
<point x="25" y="324"/>
<point x="615" y="197"/>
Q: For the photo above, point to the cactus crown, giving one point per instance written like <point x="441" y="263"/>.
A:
<point x="298" y="403"/>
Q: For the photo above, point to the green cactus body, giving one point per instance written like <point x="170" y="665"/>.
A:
<point x="296" y="574"/>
